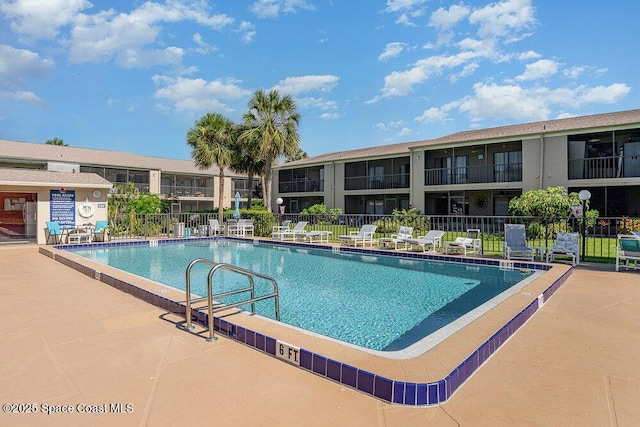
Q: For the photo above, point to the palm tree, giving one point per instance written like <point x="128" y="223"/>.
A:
<point x="211" y="140"/>
<point x="272" y="123"/>
<point x="300" y="154"/>
<point x="247" y="160"/>
<point x="56" y="141"/>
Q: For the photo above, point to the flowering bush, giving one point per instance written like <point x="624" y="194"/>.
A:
<point x="627" y="225"/>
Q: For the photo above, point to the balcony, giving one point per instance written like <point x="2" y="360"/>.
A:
<point x="186" y="191"/>
<point x="301" y="186"/>
<point x="511" y="172"/>
<point x="605" y="167"/>
<point x="141" y="187"/>
<point x="376" y="182"/>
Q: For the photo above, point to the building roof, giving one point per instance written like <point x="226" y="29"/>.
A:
<point x="582" y="123"/>
<point x="28" y="151"/>
<point x="547" y="127"/>
<point x="377" y="151"/>
<point x="43" y="178"/>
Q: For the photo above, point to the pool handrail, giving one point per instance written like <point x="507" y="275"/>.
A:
<point x="210" y="296"/>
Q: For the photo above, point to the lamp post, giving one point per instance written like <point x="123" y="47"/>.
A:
<point x="584" y="195"/>
<point x="279" y="202"/>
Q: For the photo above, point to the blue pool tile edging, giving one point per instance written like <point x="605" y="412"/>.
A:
<point x="385" y="389"/>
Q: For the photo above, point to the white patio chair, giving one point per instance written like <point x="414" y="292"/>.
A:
<point x="470" y="243"/>
<point x="404" y="233"/>
<point x="628" y="251"/>
<point x="515" y="243"/>
<point x="290" y="233"/>
<point x="362" y="236"/>
<point x="566" y="245"/>
<point x="432" y="239"/>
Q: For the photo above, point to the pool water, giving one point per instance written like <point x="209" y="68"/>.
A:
<point x="377" y="302"/>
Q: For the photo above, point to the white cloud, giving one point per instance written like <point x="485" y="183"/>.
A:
<point x="445" y="19"/>
<point x="539" y="70"/>
<point x="37" y="19"/>
<point x="272" y="8"/>
<point x="513" y="102"/>
<point x="502" y="18"/>
<point x="404" y="132"/>
<point x="329" y="115"/>
<point x="407" y="9"/>
<point x="400" y="83"/>
<point x="248" y="31"/>
<point x="391" y="50"/>
<point x="467" y="71"/>
<point x="506" y="102"/>
<point x="16" y="68"/>
<point x="203" y="47"/>
<point x="437" y="114"/>
<point x="398" y="5"/>
<point x="199" y="94"/>
<point x="129" y="39"/>
<point x="530" y="54"/>
<point x="297" y="85"/>
<point x="23" y="96"/>
<point x="18" y="64"/>
<point x="603" y="94"/>
<point x="321" y="103"/>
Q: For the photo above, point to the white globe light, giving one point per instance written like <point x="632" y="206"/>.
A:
<point x="584" y="195"/>
<point x="279" y="200"/>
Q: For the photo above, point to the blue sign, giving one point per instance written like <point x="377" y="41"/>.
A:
<point x="62" y="208"/>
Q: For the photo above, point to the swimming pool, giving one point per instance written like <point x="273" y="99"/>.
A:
<point x="382" y="303"/>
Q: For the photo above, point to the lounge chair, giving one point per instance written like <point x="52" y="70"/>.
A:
<point x="363" y="236"/>
<point x="54" y="232"/>
<point x="236" y="227"/>
<point x="290" y="233"/>
<point x="215" y="228"/>
<point x="566" y="245"/>
<point x="284" y="226"/>
<point x="515" y="243"/>
<point x="247" y="227"/>
<point x="628" y="250"/>
<point x="101" y="232"/>
<point x="462" y="245"/>
<point x="432" y="239"/>
<point x="404" y="233"/>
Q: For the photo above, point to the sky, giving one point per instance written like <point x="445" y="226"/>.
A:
<point x="134" y="76"/>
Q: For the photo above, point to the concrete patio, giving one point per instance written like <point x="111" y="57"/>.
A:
<point x="71" y="343"/>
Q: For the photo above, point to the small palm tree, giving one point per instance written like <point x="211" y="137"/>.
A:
<point x="56" y="141"/>
<point x="300" y="154"/>
<point x="247" y="160"/>
<point x="271" y="123"/>
<point x="211" y="141"/>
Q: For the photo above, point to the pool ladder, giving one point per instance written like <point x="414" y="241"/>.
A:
<point x="215" y="266"/>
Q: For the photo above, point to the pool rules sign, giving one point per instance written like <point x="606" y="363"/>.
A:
<point x="288" y="352"/>
<point x="62" y="207"/>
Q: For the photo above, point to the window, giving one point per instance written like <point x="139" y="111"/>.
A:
<point x="507" y="166"/>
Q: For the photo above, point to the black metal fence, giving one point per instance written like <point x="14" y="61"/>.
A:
<point x="599" y="243"/>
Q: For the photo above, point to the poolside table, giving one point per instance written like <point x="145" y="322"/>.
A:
<point x="321" y="236"/>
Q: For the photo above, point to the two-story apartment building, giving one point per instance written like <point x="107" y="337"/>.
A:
<point x="190" y="187"/>
<point x="477" y="172"/>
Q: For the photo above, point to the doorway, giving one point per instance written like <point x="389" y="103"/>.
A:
<point x="18" y="217"/>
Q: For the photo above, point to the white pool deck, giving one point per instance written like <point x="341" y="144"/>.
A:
<point x="70" y="341"/>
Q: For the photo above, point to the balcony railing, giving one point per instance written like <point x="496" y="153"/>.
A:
<point x="376" y="182"/>
<point x="301" y="186"/>
<point x="511" y="172"/>
<point x="605" y="167"/>
<point x="186" y="191"/>
<point x="142" y="187"/>
<point x="244" y="192"/>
